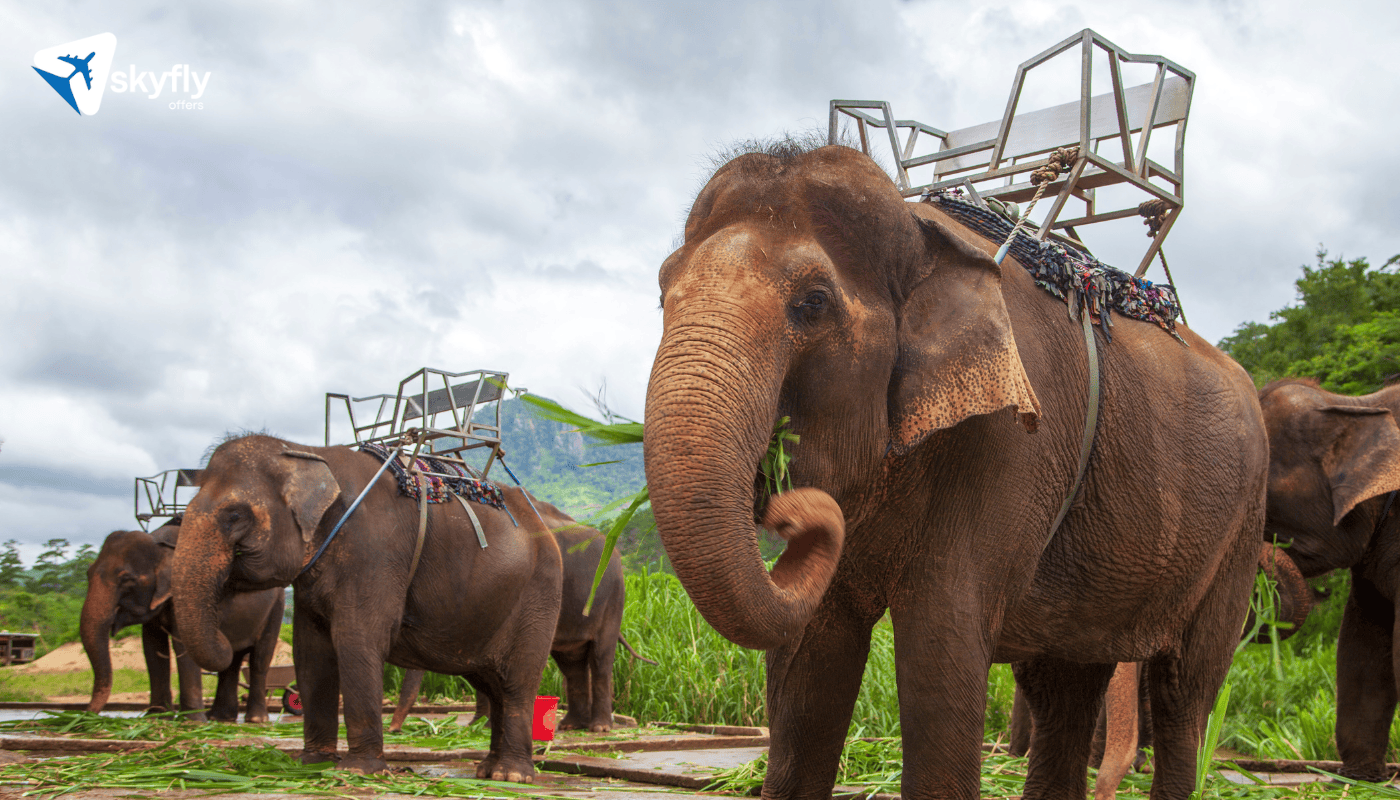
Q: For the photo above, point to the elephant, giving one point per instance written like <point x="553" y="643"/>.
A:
<point x="1124" y="728"/>
<point x="129" y="584"/>
<point x="266" y="507"/>
<point x="584" y="646"/>
<point x="940" y="399"/>
<point x="1334" y="465"/>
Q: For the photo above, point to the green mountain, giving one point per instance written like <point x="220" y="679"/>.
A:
<point x="549" y="457"/>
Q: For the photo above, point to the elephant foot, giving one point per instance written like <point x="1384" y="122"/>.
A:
<point x="1368" y="773"/>
<point x="601" y="727"/>
<point x="572" y="722"/>
<point x="155" y="710"/>
<point x="318" y="756"/>
<point x="255" y="719"/>
<point x="495" y="768"/>
<point x="364" y="766"/>
<point x="219" y="716"/>
<point x="195" y="716"/>
<point x="479" y="718"/>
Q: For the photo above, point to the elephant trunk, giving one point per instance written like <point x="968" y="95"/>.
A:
<point x="709" y="416"/>
<point x="198" y="580"/>
<point x="1295" y="596"/>
<point x="95" y="627"/>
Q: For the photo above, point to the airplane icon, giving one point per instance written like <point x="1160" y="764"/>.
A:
<point x="79" y="65"/>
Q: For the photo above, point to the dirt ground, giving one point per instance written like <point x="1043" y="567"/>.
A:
<point x="126" y="654"/>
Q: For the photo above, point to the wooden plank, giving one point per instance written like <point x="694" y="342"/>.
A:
<point x="1057" y="126"/>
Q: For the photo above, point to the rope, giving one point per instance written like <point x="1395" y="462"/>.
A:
<point x="1154" y="215"/>
<point x="1061" y="159"/>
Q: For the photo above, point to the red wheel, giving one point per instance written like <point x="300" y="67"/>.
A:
<point x="291" y="702"/>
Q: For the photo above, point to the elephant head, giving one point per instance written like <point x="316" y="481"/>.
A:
<point x="807" y="287"/>
<point x="1328" y="454"/>
<point x="128" y="584"/>
<point x="259" y="505"/>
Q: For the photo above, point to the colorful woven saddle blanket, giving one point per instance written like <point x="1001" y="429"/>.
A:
<point x="1062" y="271"/>
<point x="436" y="488"/>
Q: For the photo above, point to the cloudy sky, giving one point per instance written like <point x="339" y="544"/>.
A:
<point x="494" y="184"/>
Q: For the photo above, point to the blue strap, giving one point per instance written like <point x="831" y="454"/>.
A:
<point x="527" y="495"/>
<point x="351" y="510"/>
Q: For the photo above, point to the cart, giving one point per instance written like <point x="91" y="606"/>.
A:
<point x="282" y="677"/>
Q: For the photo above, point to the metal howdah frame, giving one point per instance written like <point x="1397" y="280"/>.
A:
<point x="992" y="160"/>
<point x="430" y="412"/>
<point x="159" y="496"/>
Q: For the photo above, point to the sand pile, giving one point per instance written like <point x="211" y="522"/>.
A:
<point x="126" y="654"/>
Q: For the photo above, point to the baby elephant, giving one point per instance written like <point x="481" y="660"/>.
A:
<point x="583" y="646"/>
<point x="129" y="584"/>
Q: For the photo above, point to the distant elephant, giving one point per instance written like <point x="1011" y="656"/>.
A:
<point x="583" y="647"/>
<point x="1334" y="464"/>
<point x="129" y="584"/>
<point x="264" y="508"/>
<point x="1124" y="729"/>
<point x="940" y="400"/>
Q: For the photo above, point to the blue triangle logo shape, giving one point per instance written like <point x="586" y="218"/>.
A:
<point x="61" y="85"/>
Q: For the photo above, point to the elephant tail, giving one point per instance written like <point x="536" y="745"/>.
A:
<point x="622" y="640"/>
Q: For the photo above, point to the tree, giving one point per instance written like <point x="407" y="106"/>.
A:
<point x="1344" y="331"/>
<point x="11" y="568"/>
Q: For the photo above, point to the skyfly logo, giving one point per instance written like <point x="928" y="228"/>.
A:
<point x="78" y="70"/>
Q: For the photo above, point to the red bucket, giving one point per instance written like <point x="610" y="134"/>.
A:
<point x="546" y="718"/>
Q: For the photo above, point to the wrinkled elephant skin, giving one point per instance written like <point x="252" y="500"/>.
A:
<point x="940" y="400"/>
<point x="129" y="584"/>
<point x="265" y="506"/>
<point x="1332" y="461"/>
<point x="584" y="647"/>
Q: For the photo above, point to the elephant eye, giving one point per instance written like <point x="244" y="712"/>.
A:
<point x="816" y="300"/>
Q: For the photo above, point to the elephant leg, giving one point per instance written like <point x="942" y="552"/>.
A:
<point x="318" y="682"/>
<point x="155" y="646"/>
<point x="408" y="692"/>
<point x="259" y="662"/>
<point x="191" y="685"/>
<point x="1020" y="728"/>
<point x="225" y="708"/>
<point x="1064" y="698"/>
<point x="362" y="673"/>
<point x="574" y="667"/>
<point x="600" y="670"/>
<point x="942" y="679"/>
<point x="1120" y="719"/>
<point x="1366" y="690"/>
<point x="813" y="682"/>
<point x="483" y="708"/>
<point x="1184" y="683"/>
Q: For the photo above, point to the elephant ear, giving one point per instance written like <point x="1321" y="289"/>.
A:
<point x="957" y="351"/>
<point x="162" y="593"/>
<point x="1364" y="460"/>
<point x="309" y="489"/>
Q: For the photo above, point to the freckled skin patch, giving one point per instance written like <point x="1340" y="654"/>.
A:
<point x="905" y="380"/>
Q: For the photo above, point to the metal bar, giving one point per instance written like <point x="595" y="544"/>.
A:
<point x="1089" y="219"/>
<point x="1086" y="95"/>
<point x="901" y="173"/>
<point x="1120" y="105"/>
<point x="864" y="142"/>
<point x="1147" y="123"/>
<point x="1062" y="197"/>
<point x="1156" y="245"/>
<point x="972" y="193"/>
<point x="1005" y="128"/>
<point x="1146" y="186"/>
<point x="833" y="124"/>
<point x="952" y="152"/>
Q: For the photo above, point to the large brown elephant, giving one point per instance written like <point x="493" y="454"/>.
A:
<point x="940" y="400"/>
<point x="584" y="646"/>
<point x="1333" y="463"/>
<point x="266" y="506"/>
<point x="129" y="584"/>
